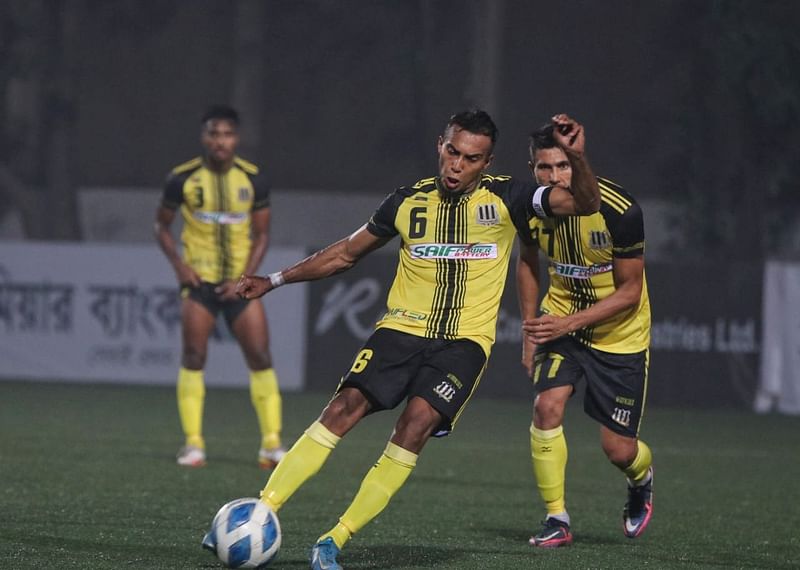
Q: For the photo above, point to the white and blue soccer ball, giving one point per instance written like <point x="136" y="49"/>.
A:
<point x="245" y="533"/>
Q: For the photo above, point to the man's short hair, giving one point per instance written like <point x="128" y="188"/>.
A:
<point x="542" y="138"/>
<point x="475" y="121"/>
<point x="221" y="112"/>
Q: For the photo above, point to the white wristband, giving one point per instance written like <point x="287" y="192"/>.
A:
<point x="276" y="279"/>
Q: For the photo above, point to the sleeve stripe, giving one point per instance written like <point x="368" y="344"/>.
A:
<point x="617" y="196"/>
<point x="614" y="201"/>
<point x="635" y="247"/>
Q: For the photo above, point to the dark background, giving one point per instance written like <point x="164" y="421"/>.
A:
<point x="694" y="102"/>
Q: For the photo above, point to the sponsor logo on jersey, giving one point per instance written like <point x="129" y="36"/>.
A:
<point x="579" y="271"/>
<point x="405" y="314"/>
<point x="453" y="251"/>
<point x="487" y="215"/>
<point x="221" y="217"/>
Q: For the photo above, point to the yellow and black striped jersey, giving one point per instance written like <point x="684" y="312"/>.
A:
<point x="580" y="251"/>
<point x="453" y="257"/>
<point x="216" y="208"/>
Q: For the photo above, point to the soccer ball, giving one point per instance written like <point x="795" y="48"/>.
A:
<point x="245" y="533"/>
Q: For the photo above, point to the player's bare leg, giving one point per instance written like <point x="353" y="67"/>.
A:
<point x="196" y="325"/>
<point x="312" y="449"/>
<point x="250" y="329"/>
<point x="632" y="457"/>
<point x="549" y="457"/>
<point x="387" y="476"/>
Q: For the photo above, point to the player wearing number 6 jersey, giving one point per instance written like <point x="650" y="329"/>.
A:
<point x="595" y="324"/>
<point x="430" y="348"/>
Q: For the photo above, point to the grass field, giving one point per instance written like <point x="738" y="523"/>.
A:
<point x="89" y="481"/>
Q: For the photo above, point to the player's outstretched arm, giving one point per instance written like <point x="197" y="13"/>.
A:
<point x="335" y="258"/>
<point x="584" y="199"/>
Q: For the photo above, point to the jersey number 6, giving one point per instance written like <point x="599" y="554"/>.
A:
<point x="417" y="222"/>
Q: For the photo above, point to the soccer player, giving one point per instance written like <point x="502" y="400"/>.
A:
<point x="595" y="325"/>
<point x="224" y="202"/>
<point x="431" y="346"/>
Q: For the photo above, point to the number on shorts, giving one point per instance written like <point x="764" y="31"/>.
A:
<point x="361" y="361"/>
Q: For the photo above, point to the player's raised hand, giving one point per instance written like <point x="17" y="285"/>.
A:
<point x="253" y="286"/>
<point x="569" y="134"/>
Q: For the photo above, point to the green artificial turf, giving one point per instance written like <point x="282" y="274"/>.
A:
<point x="89" y="481"/>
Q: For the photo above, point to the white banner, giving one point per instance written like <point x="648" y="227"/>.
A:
<point x="110" y="313"/>
<point x="780" y="353"/>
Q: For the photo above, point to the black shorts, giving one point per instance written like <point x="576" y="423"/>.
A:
<point x="616" y="384"/>
<point x="206" y="296"/>
<point x="393" y="366"/>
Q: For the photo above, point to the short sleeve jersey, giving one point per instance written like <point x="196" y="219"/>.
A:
<point x="453" y="256"/>
<point x="580" y="251"/>
<point x="216" y="209"/>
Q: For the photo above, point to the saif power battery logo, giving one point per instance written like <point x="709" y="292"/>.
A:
<point x="453" y="251"/>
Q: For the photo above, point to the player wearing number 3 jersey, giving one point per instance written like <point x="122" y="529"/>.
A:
<point x="430" y="348"/>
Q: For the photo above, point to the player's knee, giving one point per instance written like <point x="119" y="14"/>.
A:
<point x="193" y="358"/>
<point x="415" y="426"/>
<point x="344" y="411"/>
<point x="548" y="412"/>
<point x="258" y="360"/>
<point x="620" y="452"/>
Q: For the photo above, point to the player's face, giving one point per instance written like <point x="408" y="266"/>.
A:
<point x="219" y="139"/>
<point x="550" y="167"/>
<point x="463" y="156"/>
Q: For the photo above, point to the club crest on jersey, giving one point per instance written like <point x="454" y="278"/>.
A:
<point x="599" y="239"/>
<point x="244" y="194"/>
<point x="487" y="215"/>
<point x="453" y="250"/>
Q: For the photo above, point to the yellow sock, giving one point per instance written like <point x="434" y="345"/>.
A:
<point x="191" y="396"/>
<point x="637" y="470"/>
<point x="266" y="399"/>
<point x="378" y="487"/>
<point x="301" y="462"/>
<point x="549" y="454"/>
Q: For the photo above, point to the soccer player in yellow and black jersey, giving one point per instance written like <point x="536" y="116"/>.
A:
<point x="431" y="346"/>
<point x="594" y="325"/>
<point x="224" y="203"/>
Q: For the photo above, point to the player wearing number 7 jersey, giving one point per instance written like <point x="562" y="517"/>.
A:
<point x="431" y="346"/>
<point x="595" y="325"/>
